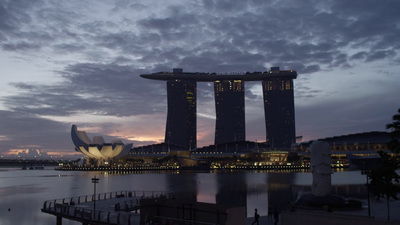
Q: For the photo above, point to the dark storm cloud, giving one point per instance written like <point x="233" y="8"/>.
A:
<point x="359" y="55"/>
<point x="30" y="26"/>
<point x="311" y="35"/>
<point x="125" y="92"/>
<point x="349" y="116"/>
<point x="161" y="24"/>
<point x="306" y="92"/>
<point x="127" y="4"/>
<point x="226" y="35"/>
<point x="380" y="55"/>
<point x="377" y="55"/>
<point x="91" y="89"/>
<point x="21" y="46"/>
<point x="68" y="48"/>
<point x="23" y="130"/>
<point x="14" y="13"/>
<point x="26" y="130"/>
<point x="87" y="89"/>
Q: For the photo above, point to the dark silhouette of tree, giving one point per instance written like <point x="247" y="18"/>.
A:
<point x="383" y="178"/>
<point x="293" y="157"/>
<point x="394" y="144"/>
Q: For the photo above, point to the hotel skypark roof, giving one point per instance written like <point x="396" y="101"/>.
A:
<point x="210" y="77"/>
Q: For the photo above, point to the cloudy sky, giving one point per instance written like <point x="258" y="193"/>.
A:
<point x="78" y="62"/>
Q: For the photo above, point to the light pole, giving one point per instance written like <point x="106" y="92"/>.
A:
<point x="94" y="181"/>
<point x="366" y="171"/>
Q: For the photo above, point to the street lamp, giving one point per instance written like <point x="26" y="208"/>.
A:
<point x="95" y="181"/>
<point x="365" y="170"/>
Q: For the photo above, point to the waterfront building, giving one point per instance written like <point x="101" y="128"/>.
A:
<point x="352" y="149"/>
<point x="97" y="150"/>
<point x="181" y="116"/>
<point x="358" y="143"/>
<point x="279" y="110"/>
<point x="230" y="106"/>
<point x="230" y="114"/>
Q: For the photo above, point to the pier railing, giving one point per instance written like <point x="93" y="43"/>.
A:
<point x="75" y="208"/>
<point x="104" y="196"/>
<point x="91" y="215"/>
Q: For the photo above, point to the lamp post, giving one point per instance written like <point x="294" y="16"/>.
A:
<point x="95" y="181"/>
<point x="366" y="171"/>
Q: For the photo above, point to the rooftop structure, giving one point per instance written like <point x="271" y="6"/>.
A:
<point x="211" y="77"/>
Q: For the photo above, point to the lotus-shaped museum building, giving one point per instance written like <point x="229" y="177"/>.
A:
<point x="97" y="149"/>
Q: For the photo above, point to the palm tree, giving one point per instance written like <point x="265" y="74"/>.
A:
<point x="382" y="179"/>
<point x="394" y="144"/>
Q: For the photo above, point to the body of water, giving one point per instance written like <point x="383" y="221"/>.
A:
<point x="22" y="192"/>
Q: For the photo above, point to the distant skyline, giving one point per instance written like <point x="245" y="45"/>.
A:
<point x="78" y="62"/>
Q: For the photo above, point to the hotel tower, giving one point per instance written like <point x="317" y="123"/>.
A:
<point x="229" y="106"/>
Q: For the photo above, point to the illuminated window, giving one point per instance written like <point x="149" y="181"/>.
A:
<point x="288" y="86"/>
<point x="270" y="86"/>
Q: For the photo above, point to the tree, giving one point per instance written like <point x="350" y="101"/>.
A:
<point x="383" y="178"/>
<point x="293" y="157"/>
<point x="394" y="144"/>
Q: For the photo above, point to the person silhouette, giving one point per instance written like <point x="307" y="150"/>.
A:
<point x="256" y="216"/>
<point x="276" y="215"/>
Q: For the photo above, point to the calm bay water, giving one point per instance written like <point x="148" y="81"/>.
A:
<point x="22" y="192"/>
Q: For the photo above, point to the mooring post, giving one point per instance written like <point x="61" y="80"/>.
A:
<point x="59" y="220"/>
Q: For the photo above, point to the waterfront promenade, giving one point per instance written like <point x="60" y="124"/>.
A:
<point x="123" y="207"/>
<point x="351" y="217"/>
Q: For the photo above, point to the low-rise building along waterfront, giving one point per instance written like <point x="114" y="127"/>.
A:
<point x="247" y="155"/>
<point x="98" y="151"/>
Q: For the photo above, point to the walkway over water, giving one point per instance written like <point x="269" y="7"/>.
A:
<point x="140" y="207"/>
<point x="120" y="207"/>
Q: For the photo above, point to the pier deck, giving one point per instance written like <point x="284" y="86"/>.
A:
<point x="113" y="208"/>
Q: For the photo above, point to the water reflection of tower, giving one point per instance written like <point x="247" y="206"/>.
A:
<point x="182" y="186"/>
<point x="232" y="189"/>
<point x="279" y="189"/>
